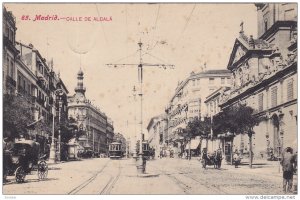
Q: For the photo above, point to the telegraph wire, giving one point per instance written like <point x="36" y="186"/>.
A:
<point x="155" y="26"/>
<point x="186" y="24"/>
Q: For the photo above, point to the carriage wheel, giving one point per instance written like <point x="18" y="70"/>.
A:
<point x="42" y="170"/>
<point x="20" y="174"/>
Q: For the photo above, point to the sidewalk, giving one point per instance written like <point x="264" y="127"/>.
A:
<point x="263" y="167"/>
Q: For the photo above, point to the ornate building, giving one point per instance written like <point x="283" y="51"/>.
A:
<point x="93" y="124"/>
<point x="188" y="102"/>
<point x="265" y="78"/>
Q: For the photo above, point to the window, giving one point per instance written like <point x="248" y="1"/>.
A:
<point x="12" y="69"/>
<point x="222" y="80"/>
<point x="260" y="102"/>
<point x="7" y="64"/>
<point x="290" y="88"/>
<point x="274" y="96"/>
<point x="229" y="81"/>
<point x="266" y="25"/>
<point x="19" y="80"/>
<point x="7" y="30"/>
<point x="193" y="82"/>
<point x="198" y="81"/>
<point x="211" y="80"/>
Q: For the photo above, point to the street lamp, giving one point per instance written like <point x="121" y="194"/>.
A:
<point x="134" y="146"/>
<point x="52" y="158"/>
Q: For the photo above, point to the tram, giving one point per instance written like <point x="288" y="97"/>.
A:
<point x="115" y="151"/>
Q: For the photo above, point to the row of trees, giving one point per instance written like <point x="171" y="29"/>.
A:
<point x="237" y="119"/>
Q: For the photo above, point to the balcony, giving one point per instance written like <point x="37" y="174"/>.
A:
<point x="10" y="81"/>
<point x="10" y="44"/>
<point x="43" y="87"/>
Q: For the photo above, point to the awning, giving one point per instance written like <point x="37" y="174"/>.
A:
<point x="194" y="144"/>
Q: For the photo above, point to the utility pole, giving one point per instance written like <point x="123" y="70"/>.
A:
<point x="134" y="146"/>
<point x="141" y="162"/>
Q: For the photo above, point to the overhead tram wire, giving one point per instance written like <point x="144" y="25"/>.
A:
<point x="126" y="57"/>
<point x="155" y="26"/>
<point x="157" y="58"/>
<point x="186" y="25"/>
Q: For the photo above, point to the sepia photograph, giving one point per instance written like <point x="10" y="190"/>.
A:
<point x="144" y="98"/>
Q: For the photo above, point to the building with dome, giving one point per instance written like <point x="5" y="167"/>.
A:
<point x="91" y="121"/>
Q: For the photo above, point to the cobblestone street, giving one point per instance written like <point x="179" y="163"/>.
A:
<point x="165" y="176"/>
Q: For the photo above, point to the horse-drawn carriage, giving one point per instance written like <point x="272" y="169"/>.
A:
<point x="214" y="159"/>
<point x="23" y="158"/>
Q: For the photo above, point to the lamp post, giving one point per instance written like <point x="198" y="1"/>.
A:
<point x="52" y="158"/>
<point x="134" y="146"/>
<point x="60" y="103"/>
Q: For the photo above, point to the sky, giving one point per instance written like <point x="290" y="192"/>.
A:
<point x="184" y="35"/>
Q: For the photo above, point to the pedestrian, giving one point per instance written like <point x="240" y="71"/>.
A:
<point x="236" y="158"/>
<point x="288" y="165"/>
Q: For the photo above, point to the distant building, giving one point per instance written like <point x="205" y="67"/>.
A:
<point x="93" y="124"/>
<point x="187" y="103"/>
<point x="265" y="78"/>
<point x="157" y="133"/>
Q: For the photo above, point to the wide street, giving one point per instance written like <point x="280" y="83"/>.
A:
<point x="164" y="176"/>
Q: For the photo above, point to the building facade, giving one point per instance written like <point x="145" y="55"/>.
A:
<point x="10" y="53"/>
<point x="188" y="102"/>
<point x="212" y="102"/>
<point x="109" y="133"/>
<point x="157" y="133"/>
<point x="38" y="83"/>
<point x="92" y="123"/>
<point x="265" y="78"/>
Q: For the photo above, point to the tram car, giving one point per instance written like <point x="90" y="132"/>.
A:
<point x="145" y="148"/>
<point x="115" y="150"/>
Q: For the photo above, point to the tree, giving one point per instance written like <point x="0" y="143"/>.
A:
<point x="17" y="114"/>
<point x="198" y="127"/>
<point x="237" y="119"/>
<point x="246" y="122"/>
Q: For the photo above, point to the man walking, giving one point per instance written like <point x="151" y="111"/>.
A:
<point x="288" y="165"/>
